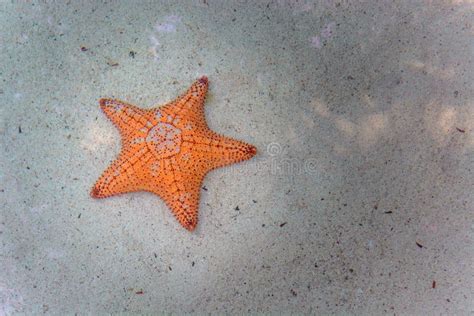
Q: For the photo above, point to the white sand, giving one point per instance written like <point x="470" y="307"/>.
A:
<point x="363" y="116"/>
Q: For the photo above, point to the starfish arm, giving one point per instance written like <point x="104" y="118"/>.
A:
<point x="217" y="151"/>
<point x="187" y="111"/>
<point x="179" y="187"/>
<point x="126" y="117"/>
<point x="128" y="173"/>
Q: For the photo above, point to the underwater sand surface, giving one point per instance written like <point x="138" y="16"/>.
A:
<point x="360" y="199"/>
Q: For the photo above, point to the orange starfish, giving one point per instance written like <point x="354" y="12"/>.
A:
<point x="168" y="151"/>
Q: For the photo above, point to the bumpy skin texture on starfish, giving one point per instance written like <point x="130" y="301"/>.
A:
<point x="168" y="150"/>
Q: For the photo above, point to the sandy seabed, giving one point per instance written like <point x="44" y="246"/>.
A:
<point x="360" y="200"/>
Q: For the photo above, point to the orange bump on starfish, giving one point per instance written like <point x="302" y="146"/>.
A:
<point x="168" y="150"/>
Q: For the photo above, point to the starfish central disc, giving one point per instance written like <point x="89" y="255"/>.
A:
<point x="164" y="140"/>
